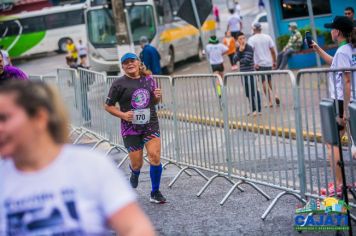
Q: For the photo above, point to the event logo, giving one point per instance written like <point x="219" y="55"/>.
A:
<point x="140" y="98"/>
<point x="317" y="215"/>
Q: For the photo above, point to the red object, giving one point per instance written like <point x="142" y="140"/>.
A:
<point x="26" y="5"/>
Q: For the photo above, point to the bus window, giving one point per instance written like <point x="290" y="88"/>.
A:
<point x="159" y="11"/>
<point x="75" y="17"/>
<point x="9" y="28"/>
<point x="101" y="28"/>
<point x="168" y="17"/>
<point x="142" y="22"/>
<point x="32" y="24"/>
<point x="175" y="5"/>
<point x="57" y="20"/>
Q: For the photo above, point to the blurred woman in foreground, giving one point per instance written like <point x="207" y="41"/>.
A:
<point x="49" y="187"/>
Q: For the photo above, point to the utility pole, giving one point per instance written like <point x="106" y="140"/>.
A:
<point x="312" y="24"/>
<point x="122" y="28"/>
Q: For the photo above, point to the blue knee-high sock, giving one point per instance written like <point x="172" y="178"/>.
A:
<point x="155" y="173"/>
<point x="136" y="172"/>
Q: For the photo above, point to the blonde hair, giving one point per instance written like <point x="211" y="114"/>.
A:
<point x="34" y="95"/>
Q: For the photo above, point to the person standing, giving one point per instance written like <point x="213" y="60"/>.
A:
<point x="5" y="56"/>
<point x="217" y="15"/>
<point x="83" y="52"/>
<point x="137" y="94"/>
<point x="230" y="42"/>
<point x="8" y="73"/>
<point x="264" y="59"/>
<point x="216" y="52"/>
<point x="48" y="186"/>
<point x="261" y="5"/>
<point x="294" y="44"/>
<point x="72" y="54"/>
<point x="237" y="8"/>
<point x="234" y="24"/>
<point x="339" y="87"/>
<point x="244" y="55"/>
<point x="150" y="57"/>
<point x="350" y="13"/>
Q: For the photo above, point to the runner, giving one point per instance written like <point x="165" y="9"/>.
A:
<point x="216" y="52"/>
<point x="234" y="23"/>
<point x="47" y="186"/>
<point x="72" y="54"/>
<point x="82" y="50"/>
<point x="10" y="72"/>
<point x="339" y="87"/>
<point x="137" y="94"/>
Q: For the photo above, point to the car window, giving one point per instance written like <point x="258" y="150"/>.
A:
<point x="262" y="19"/>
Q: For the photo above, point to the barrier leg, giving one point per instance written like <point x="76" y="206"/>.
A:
<point x="123" y="161"/>
<point x="230" y="192"/>
<point x="183" y="170"/>
<point x="275" y="200"/>
<point x="80" y="137"/>
<point x="112" y="148"/>
<point x="98" y="143"/>
<point x="202" y="190"/>
<point x="178" y="166"/>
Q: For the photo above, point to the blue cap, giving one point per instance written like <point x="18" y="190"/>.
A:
<point x="129" y="55"/>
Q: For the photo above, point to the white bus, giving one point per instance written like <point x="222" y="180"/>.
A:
<point x="41" y="31"/>
<point x="175" y="39"/>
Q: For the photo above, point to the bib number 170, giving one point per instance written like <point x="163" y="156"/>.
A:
<point x="141" y="116"/>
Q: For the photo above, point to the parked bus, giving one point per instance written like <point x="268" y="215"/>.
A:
<point x="42" y="30"/>
<point x="175" y="39"/>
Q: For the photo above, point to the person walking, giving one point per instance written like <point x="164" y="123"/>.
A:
<point x="234" y="24"/>
<point x="264" y="59"/>
<point x="137" y="94"/>
<point x="8" y="73"/>
<point x="48" y="186"/>
<point x="230" y="42"/>
<point x="150" y="57"/>
<point x="83" y="53"/>
<point x="217" y="15"/>
<point x="244" y="55"/>
<point x="349" y="12"/>
<point x="339" y="87"/>
<point x="72" y="54"/>
<point x="294" y="44"/>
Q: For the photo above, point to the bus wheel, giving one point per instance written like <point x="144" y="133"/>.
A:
<point x="170" y="66"/>
<point x="62" y="45"/>
<point x="200" y="56"/>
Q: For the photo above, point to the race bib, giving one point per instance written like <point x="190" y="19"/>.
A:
<point x="141" y="116"/>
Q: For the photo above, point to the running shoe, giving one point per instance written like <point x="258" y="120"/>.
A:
<point x="157" y="197"/>
<point x="134" y="180"/>
<point x="331" y="191"/>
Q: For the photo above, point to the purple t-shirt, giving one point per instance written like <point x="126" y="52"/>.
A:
<point x="11" y="72"/>
<point x="134" y="94"/>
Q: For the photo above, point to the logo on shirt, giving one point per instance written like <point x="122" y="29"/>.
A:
<point x="140" y="98"/>
<point x="353" y="59"/>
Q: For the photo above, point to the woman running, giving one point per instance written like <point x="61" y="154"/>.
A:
<point x="137" y="94"/>
<point x="49" y="187"/>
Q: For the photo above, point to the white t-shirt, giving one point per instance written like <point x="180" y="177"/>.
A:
<point x="75" y="194"/>
<point x="5" y="57"/>
<point x="82" y="50"/>
<point x="234" y="23"/>
<point x="215" y="53"/>
<point x="237" y="9"/>
<point x="345" y="57"/>
<point x="261" y="44"/>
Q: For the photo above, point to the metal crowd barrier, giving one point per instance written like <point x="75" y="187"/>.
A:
<point x="208" y="124"/>
<point x="313" y="86"/>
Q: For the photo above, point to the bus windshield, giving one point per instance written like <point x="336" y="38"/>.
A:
<point x="101" y="27"/>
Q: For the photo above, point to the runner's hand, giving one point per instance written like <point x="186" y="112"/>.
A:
<point x="128" y="116"/>
<point x="157" y="93"/>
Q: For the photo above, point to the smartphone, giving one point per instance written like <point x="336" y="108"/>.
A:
<point x="309" y="39"/>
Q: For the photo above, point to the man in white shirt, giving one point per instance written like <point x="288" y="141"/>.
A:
<point x="234" y="24"/>
<point x="265" y="58"/>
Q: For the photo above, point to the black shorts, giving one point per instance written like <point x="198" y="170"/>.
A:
<point x="135" y="143"/>
<point x="83" y="56"/>
<point x="340" y="112"/>
<point x="263" y="77"/>
<point x="218" y="67"/>
<point x="234" y="34"/>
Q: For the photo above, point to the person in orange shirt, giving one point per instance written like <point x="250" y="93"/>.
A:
<point x="230" y="42"/>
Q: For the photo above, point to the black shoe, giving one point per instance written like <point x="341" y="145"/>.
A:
<point x="134" y="180"/>
<point x="157" y="197"/>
